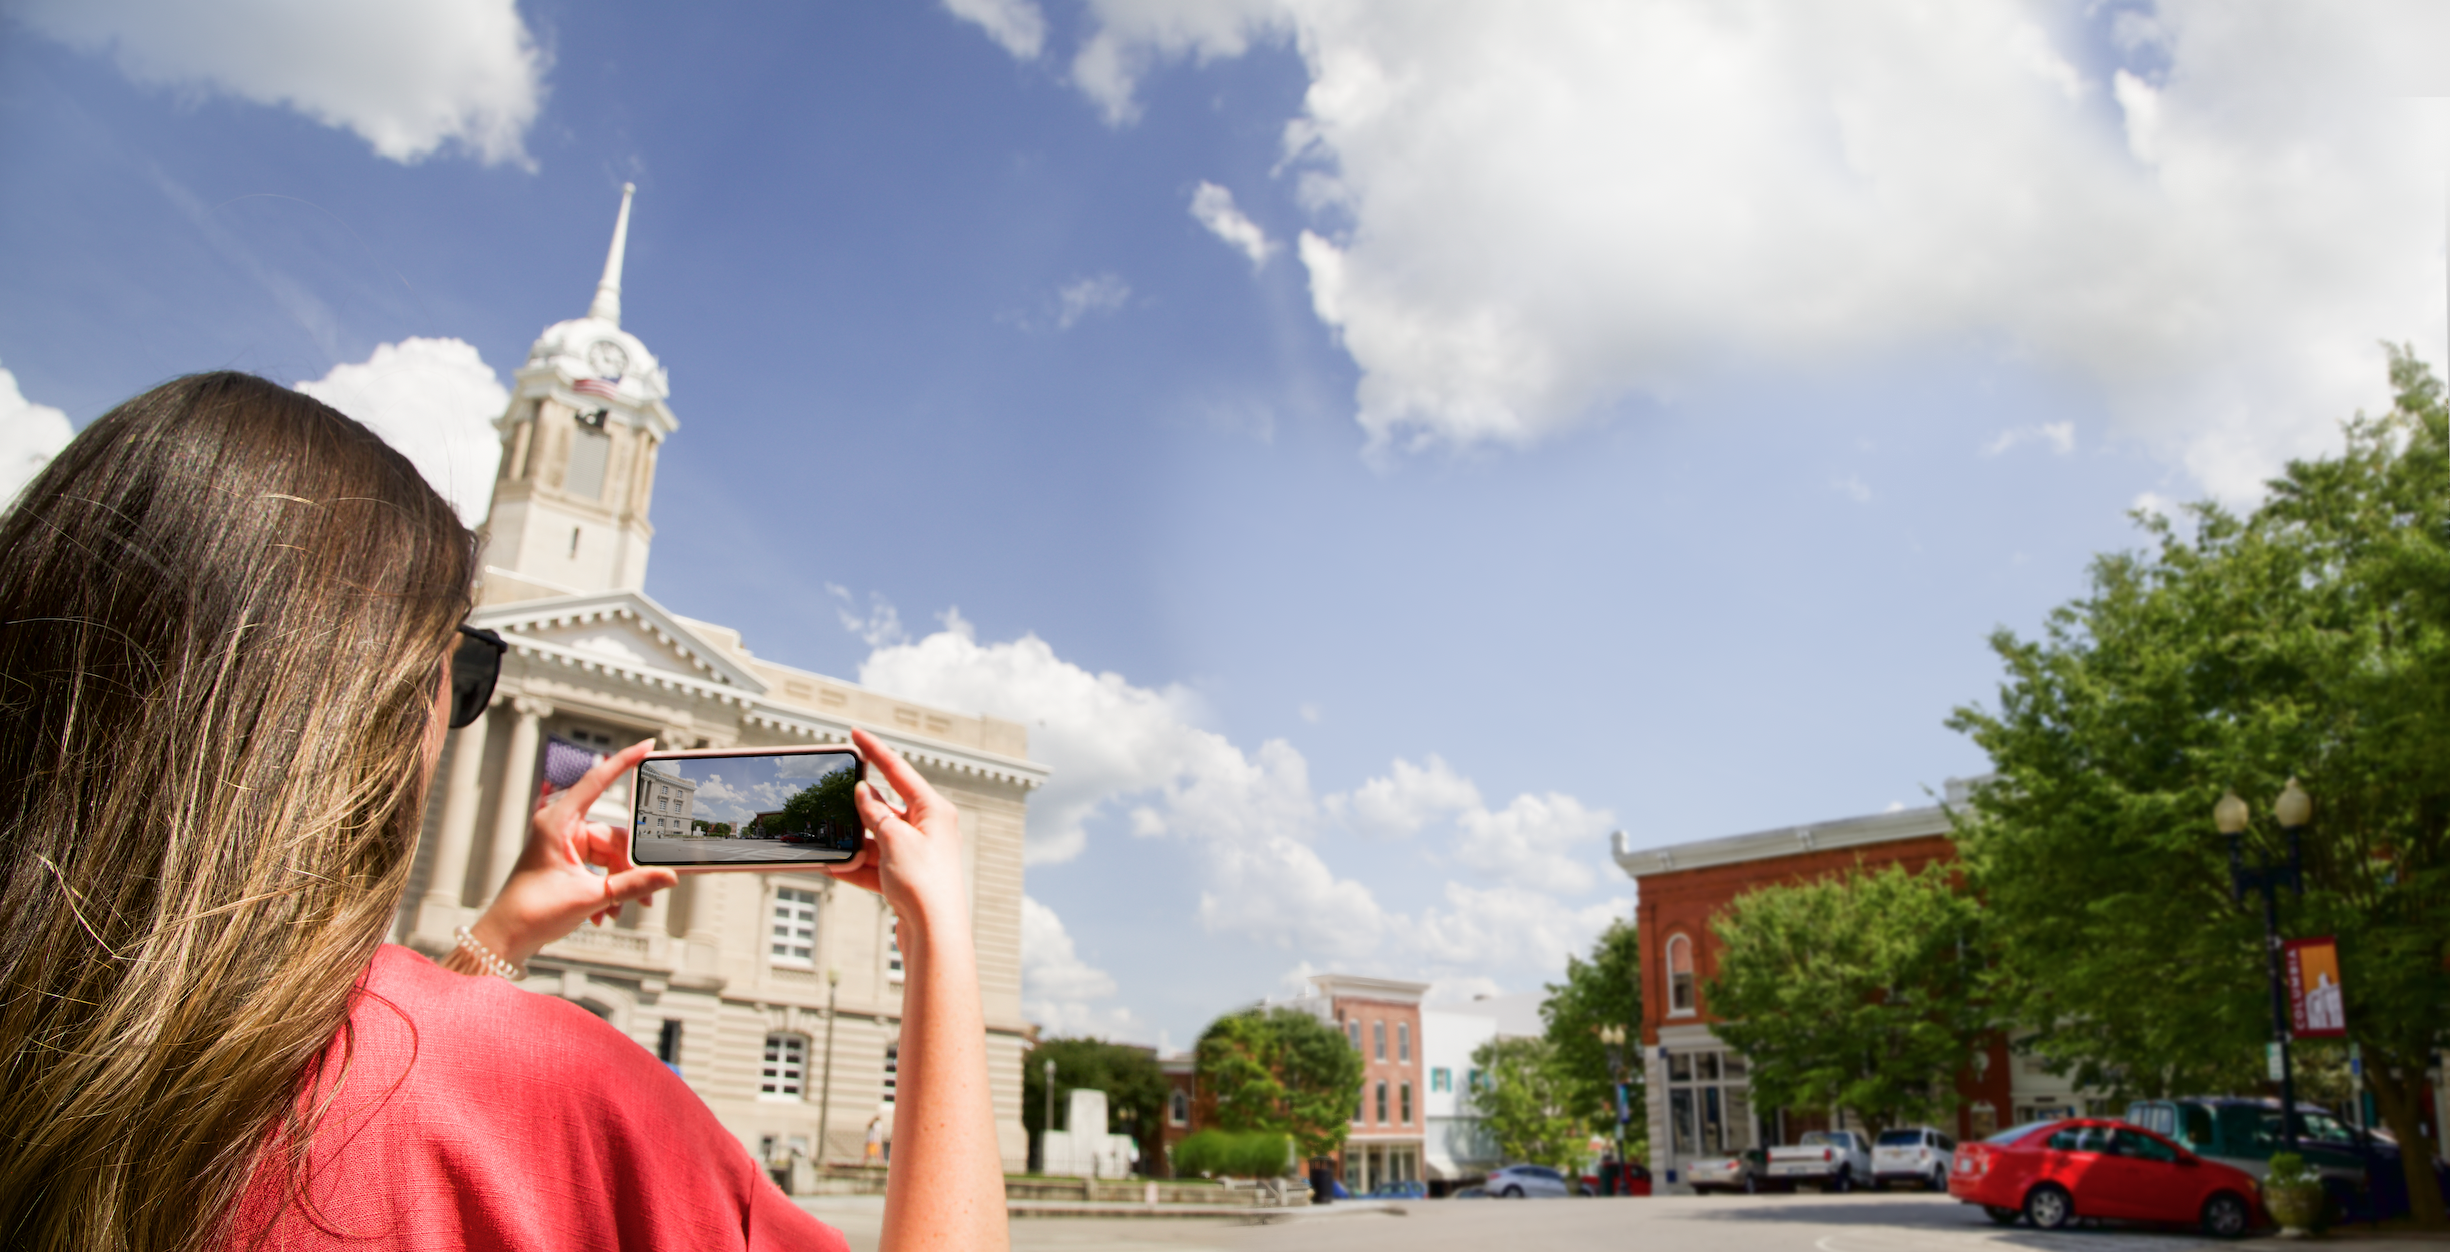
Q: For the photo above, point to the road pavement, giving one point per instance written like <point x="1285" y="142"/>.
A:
<point x="1867" y="1222"/>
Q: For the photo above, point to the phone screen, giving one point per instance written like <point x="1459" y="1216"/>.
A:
<point x="744" y="809"/>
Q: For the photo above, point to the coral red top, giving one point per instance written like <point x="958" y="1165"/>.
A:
<point x="476" y="1115"/>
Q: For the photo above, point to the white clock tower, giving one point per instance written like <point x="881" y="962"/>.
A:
<point x="586" y="418"/>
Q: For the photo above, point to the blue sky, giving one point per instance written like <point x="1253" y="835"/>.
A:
<point x="1381" y="447"/>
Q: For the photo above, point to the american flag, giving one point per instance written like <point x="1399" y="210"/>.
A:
<point x="564" y="764"/>
<point x="608" y="388"/>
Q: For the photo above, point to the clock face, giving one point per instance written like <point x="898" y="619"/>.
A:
<point x="608" y="358"/>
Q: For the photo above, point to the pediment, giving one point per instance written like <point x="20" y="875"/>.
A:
<point x="624" y="629"/>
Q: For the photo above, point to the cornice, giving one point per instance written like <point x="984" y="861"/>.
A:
<point x="515" y="616"/>
<point x="1853" y="832"/>
<point x="954" y="759"/>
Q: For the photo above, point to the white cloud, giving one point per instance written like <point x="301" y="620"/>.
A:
<point x="1018" y="25"/>
<point x="30" y="435"/>
<point x="1406" y="799"/>
<point x="1252" y="821"/>
<point x="1213" y="207"/>
<point x="1853" y="488"/>
<point x="1529" y="212"/>
<point x="2061" y="436"/>
<point x="881" y="627"/>
<point x="1061" y="991"/>
<point x="1490" y="927"/>
<point x="2154" y="503"/>
<point x="1102" y="293"/>
<point x="435" y="400"/>
<point x="1534" y="842"/>
<point x="407" y="78"/>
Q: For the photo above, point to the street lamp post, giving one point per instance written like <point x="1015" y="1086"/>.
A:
<point x="1046" y="1125"/>
<point x="2294" y="809"/>
<point x="825" y="1097"/>
<point x="1614" y="1037"/>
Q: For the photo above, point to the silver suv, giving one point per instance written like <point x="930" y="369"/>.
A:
<point x="1917" y="1154"/>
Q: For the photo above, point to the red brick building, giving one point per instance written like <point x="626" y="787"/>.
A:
<point x="1699" y="1090"/>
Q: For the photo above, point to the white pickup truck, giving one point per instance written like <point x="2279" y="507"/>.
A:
<point x="1832" y="1160"/>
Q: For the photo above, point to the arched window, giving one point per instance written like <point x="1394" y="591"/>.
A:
<point x="1378" y="1044"/>
<point x="1382" y="1101"/>
<point x="1406" y="1094"/>
<point x="1679" y="976"/>
<point x="1403" y="1044"/>
<point x="785" y="1075"/>
<point x="1178" y="1108"/>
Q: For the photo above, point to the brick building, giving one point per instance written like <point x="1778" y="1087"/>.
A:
<point x="1699" y="1090"/>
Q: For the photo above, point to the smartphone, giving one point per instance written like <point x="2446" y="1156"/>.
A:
<point x="745" y="808"/>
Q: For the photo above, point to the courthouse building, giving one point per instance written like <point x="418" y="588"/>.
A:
<point x="729" y="977"/>
<point x="1700" y="1097"/>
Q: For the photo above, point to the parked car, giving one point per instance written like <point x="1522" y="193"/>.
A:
<point x="1746" y="1171"/>
<point x="1398" y="1191"/>
<point x="1918" y="1155"/>
<point x="2360" y="1169"/>
<point x="1637" y="1180"/>
<point x="1518" y="1182"/>
<point x="2051" y="1173"/>
<point x="1474" y="1192"/>
<point x="1832" y="1160"/>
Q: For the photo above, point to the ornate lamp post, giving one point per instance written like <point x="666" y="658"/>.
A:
<point x="2294" y="809"/>
<point x="1613" y="1036"/>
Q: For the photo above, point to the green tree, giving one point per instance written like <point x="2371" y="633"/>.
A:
<point x="1853" y="992"/>
<point x="2308" y="638"/>
<point x="1526" y="1103"/>
<point x="1605" y="990"/>
<point x="1135" y="1088"/>
<point x="1282" y="1070"/>
<point x="825" y="807"/>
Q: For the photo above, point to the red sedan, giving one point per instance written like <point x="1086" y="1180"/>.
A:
<point x="2051" y="1173"/>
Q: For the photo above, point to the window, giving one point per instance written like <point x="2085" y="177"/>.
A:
<point x="785" y="1076"/>
<point x="765" y="1147"/>
<point x="1378" y="1042"/>
<point x="1403" y="1042"/>
<point x="794" y="941"/>
<point x="668" y="1044"/>
<point x="1679" y="976"/>
<point x="1353" y="1028"/>
<point x="893" y="1069"/>
<point x="1404" y="1096"/>
<point x="1475" y="1080"/>
<point x="1178" y="1107"/>
<point x="1441" y="1079"/>
<point x="1382" y="1101"/>
<point x="893" y="951"/>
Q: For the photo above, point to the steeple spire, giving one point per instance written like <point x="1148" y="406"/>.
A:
<point x="607" y="304"/>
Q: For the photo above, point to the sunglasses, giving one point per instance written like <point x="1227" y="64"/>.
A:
<point x="476" y="665"/>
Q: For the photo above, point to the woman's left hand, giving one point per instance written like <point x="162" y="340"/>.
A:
<point x="552" y="890"/>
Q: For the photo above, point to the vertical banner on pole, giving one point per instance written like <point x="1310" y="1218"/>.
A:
<point x="2316" y="1008"/>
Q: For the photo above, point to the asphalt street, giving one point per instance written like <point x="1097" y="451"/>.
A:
<point x="679" y="852"/>
<point x="1871" y="1222"/>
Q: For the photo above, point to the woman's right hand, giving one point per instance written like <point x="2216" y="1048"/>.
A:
<point x="912" y="855"/>
<point x="551" y="891"/>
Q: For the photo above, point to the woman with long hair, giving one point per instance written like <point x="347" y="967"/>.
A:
<point x="228" y="616"/>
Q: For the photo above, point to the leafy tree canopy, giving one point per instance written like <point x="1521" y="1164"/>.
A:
<point x="2308" y="638"/>
<point x="1853" y="992"/>
<point x="1526" y="1104"/>
<point x="1605" y="990"/>
<point x="1135" y="1088"/>
<point x="1282" y="1070"/>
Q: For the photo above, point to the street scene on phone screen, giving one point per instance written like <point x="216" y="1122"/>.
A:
<point x="740" y="809"/>
<point x="1586" y="624"/>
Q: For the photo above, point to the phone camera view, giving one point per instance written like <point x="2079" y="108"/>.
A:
<point x="786" y="808"/>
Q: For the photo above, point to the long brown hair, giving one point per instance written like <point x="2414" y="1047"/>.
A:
<point x="222" y="614"/>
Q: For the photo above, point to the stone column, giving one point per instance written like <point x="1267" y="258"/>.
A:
<point x="439" y="911"/>
<point x="510" y="823"/>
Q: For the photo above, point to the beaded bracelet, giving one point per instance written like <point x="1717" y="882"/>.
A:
<point x="492" y="964"/>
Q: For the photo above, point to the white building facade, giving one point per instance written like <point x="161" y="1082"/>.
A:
<point x="776" y="996"/>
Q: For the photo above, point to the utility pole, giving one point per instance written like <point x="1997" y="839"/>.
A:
<point x="825" y="1098"/>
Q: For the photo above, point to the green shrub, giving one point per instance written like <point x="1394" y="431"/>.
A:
<point x="1238" y="1154"/>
